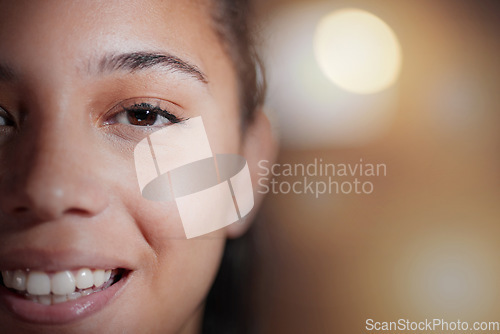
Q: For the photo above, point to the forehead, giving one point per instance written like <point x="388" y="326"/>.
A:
<point x="33" y="33"/>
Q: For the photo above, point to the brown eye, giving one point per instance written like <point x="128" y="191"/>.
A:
<point x="145" y="115"/>
<point x="141" y="114"/>
<point x="142" y="117"/>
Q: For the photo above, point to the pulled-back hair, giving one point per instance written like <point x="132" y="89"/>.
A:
<point x="233" y="22"/>
<point x="227" y="307"/>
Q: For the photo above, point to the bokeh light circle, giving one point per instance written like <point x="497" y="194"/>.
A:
<point x="357" y="51"/>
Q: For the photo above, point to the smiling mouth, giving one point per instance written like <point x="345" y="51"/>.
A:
<point x="59" y="287"/>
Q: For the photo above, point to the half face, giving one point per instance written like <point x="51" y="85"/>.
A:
<point x="81" y="83"/>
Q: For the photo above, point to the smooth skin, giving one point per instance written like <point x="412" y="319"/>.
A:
<point x="68" y="188"/>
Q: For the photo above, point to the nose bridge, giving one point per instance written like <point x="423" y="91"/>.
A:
<point x="53" y="127"/>
<point x="55" y="166"/>
<point x="58" y="152"/>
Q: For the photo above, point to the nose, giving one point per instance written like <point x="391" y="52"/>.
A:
<point x="50" y="173"/>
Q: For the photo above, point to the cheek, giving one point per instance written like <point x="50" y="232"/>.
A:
<point x="224" y="132"/>
<point x="176" y="277"/>
<point x="182" y="279"/>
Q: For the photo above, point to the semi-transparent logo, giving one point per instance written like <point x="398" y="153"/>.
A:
<point x="177" y="164"/>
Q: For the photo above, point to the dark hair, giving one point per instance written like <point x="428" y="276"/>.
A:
<point x="227" y="306"/>
<point x="233" y="22"/>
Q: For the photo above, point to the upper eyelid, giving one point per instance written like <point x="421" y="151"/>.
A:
<point x="142" y="105"/>
<point x="153" y="101"/>
<point x="10" y="118"/>
<point x="4" y="111"/>
<point x="130" y="102"/>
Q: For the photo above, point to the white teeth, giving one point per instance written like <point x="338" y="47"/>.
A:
<point x="63" y="283"/>
<point x="84" y="279"/>
<point x="33" y="298"/>
<point x="45" y="299"/>
<point x="107" y="275"/>
<point x="19" y="280"/>
<point x="7" y="276"/>
<point x="48" y="289"/>
<point x="98" y="278"/>
<point x="56" y="299"/>
<point x="38" y="283"/>
<point x="74" y="295"/>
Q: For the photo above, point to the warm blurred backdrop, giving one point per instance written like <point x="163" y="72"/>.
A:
<point x="411" y="84"/>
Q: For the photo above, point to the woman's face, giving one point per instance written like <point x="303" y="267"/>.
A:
<point x="73" y="76"/>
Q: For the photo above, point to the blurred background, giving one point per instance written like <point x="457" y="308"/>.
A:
<point x="411" y="84"/>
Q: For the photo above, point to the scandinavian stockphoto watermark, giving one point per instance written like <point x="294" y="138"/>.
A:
<point x="319" y="177"/>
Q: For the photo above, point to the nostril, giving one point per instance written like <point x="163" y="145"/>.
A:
<point x="46" y="196"/>
<point x="20" y="210"/>
<point x="79" y="212"/>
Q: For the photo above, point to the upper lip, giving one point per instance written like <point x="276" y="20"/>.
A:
<point x="60" y="259"/>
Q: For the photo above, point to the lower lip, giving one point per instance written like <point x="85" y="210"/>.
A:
<point x="62" y="313"/>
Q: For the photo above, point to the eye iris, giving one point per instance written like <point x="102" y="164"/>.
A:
<point x="142" y="117"/>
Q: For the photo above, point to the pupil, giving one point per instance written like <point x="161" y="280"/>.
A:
<point x="142" y="117"/>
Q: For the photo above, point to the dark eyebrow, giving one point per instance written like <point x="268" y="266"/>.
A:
<point x="136" y="61"/>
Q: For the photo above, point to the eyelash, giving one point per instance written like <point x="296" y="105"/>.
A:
<point x="7" y="118"/>
<point x="152" y="108"/>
